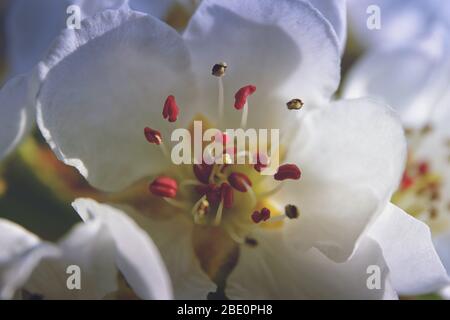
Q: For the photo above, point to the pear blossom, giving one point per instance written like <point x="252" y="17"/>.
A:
<point x="104" y="106"/>
<point x="114" y="258"/>
<point x="414" y="78"/>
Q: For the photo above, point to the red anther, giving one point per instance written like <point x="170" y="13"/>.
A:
<point x="256" y="217"/>
<point x="423" y="168"/>
<point x="170" y="109"/>
<point x="202" y="172"/>
<point x="240" y="98"/>
<point x="227" y="195"/>
<point x="164" y="187"/>
<point x="239" y="181"/>
<point x="407" y="181"/>
<point x="265" y="214"/>
<point x="152" y="136"/>
<point x="288" y="171"/>
<point x="262" y="161"/>
<point x="213" y="194"/>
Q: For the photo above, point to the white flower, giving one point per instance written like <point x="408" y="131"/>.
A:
<point x="102" y="85"/>
<point x="116" y="259"/>
<point x="414" y="78"/>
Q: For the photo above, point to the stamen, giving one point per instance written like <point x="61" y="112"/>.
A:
<point x="233" y="235"/>
<point x="259" y="216"/>
<point x="164" y="187"/>
<point x="218" y="218"/>
<point x="291" y="211"/>
<point x="152" y="136"/>
<point x="213" y="194"/>
<point x="287" y="171"/>
<point x="171" y="110"/>
<point x="251" y="242"/>
<point x="256" y="216"/>
<point x="242" y="95"/>
<point x="251" y="194"/>
<point x="294" y="104"/>
<point x="227" y="195"/>
<point x="203" y="207"/>
<point x="265" y="214"/>
<point x="423" y="168"/>
<point x="241" y="102"/>
<point x="165" y="151"/>
<point x="202" y="172"/>
<point x="407" y="181"/>
<point x="239" y="181"/>
<point x="219" y="69"/>
<point x="220" y="99"/>
<point x="199" y="209"/>
<point x="262" y="161"/>
<point x="213" y="174"/>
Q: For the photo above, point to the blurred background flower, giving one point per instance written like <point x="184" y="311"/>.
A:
<point x="406" y="64"/>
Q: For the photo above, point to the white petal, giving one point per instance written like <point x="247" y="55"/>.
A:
<point x="30" y="28"/>
<point x="91" y="7"/>
<point x="87" y="246"/>
<point x="20" y="253"/>
<point x="442" y="245"/>
<point x="352" y="156"/>
<point x="174" y="240"/>
<point x="335" y="11"/>
<point x="93" y="110"/>
<point x="17" y="114"/>
<point x="380" y="74"/>
<point x="445" y="293"/>
<point x="409" y="252"/>
<point x="273" y="270"/>
<point x="285" y="48"/>
<point x="136" y="256"/>
<point x="158" y="8"/>
<point x="14" y="239"/>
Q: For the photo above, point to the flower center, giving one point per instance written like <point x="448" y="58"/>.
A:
<point x="228" y="193"/>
